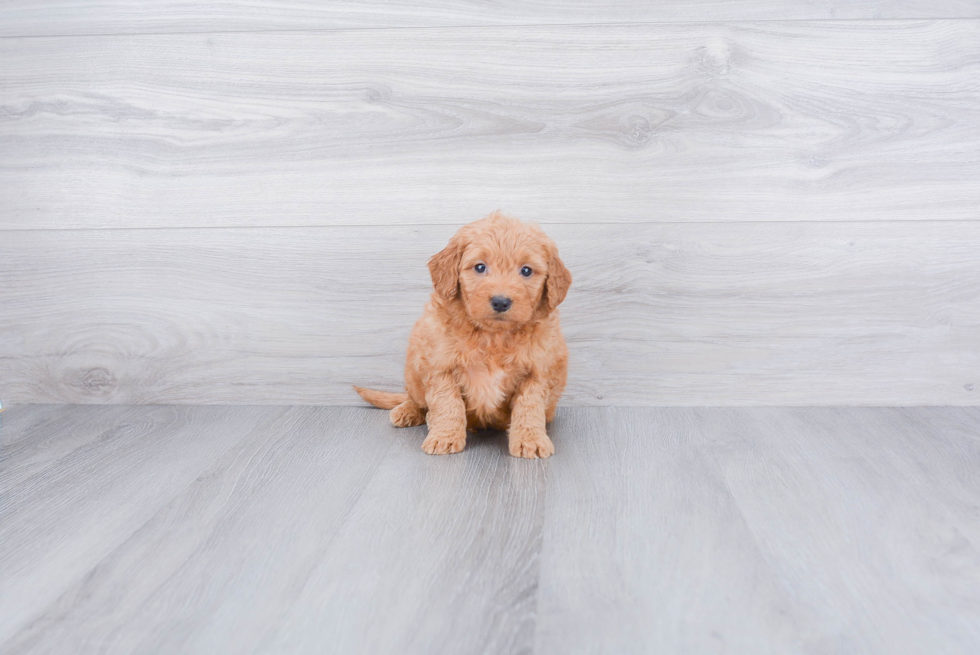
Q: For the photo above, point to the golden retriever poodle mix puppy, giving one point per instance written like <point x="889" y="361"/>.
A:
<point x="488" y="351"/>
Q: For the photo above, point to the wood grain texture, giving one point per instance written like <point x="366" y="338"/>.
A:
<point x="769" y="121"/>
<point x="232" y="550"/>
<point x="721" y="314"/>
<point x="783" y="530"/>
<point x="59" y="522"/>
<point x="467" y="531"/>
<point x="645" y="549"/>
<point x="763" y="530"/>
<point x="46" y="18"/>
<point x="891" y="493"/>
<point x="39" y="436"/>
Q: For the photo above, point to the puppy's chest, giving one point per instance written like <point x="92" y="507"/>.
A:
<point x="486" y="387"/>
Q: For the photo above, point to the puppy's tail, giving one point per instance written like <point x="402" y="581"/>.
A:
<point x="382" y="399"/>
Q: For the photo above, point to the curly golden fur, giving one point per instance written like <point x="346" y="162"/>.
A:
<point x="488" y="350"/>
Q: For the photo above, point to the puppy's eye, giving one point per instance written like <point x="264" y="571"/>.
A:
<point x="526" y="271"/>
<point x="480" y="268"/>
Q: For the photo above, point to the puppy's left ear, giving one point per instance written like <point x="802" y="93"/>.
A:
<point x="559" y="279"/>
<point x="444" y="268"/>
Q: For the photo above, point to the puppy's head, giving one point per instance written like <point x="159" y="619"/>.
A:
<point x="503" y="272"/>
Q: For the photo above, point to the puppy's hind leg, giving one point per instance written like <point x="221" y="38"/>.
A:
<point x="407" y="415"/>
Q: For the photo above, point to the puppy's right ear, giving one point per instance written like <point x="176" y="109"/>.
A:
<point x="444" y="268"/>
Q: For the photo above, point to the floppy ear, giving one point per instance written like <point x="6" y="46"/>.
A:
<point x="559" y="279"/>
<point x="444" y="268"/>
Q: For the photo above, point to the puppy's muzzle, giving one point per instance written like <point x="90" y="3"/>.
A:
<point x="500" y="303"/>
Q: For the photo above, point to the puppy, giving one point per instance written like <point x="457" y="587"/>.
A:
<point x="488" y="351"/>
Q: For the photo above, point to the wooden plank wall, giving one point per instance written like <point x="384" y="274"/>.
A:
<point x="762" y="202"/>
<point x="56" y="17"/>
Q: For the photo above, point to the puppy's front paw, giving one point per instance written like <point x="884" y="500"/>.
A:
<point x="531" y="445"/>
<point x="443" y="444"/>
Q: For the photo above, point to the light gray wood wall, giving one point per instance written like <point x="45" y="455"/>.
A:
<point x="759" y="207"/>
<point x="772" y="121"/>
<point x="47" y="17"/>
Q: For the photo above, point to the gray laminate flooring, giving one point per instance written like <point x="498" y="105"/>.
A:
<point x="193" y="529"/>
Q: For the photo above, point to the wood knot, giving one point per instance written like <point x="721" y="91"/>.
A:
<point x="715" y="59"/>
<point x="638" y="130"/>
<point x="96" y="381"/>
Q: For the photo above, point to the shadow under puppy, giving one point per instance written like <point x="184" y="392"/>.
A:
<point x="488" y="350"/>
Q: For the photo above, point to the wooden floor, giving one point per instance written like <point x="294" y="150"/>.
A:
<point x="191" y="529"/>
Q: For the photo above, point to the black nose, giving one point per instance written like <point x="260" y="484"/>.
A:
<point x="500" y="304"/>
